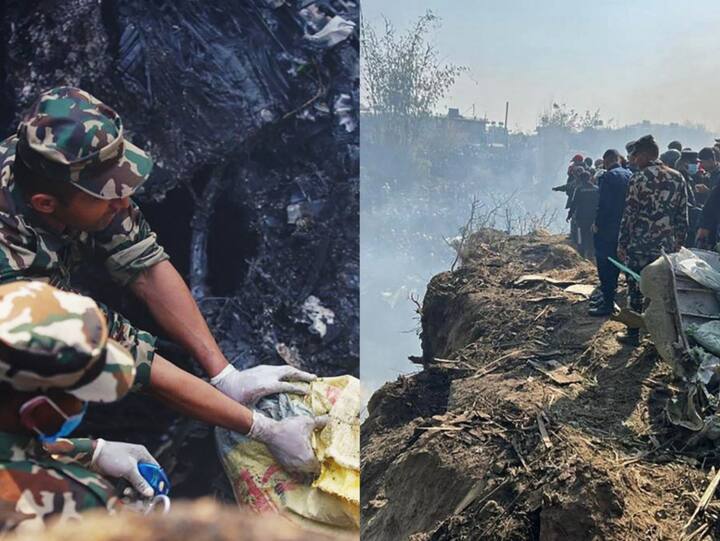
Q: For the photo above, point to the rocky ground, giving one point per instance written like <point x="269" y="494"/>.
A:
<point x="493" y="440"/>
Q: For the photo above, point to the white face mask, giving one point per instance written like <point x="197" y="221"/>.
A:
<point x="692" y="168"/>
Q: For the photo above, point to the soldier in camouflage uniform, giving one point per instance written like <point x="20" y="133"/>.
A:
<point x="31" y="248"/>
<point x="655" y="218"/>
<point x="66" y="178"/>
<point x="55" y="356"/>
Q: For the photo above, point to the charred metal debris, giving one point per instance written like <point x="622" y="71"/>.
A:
<point x="250" y="112"/>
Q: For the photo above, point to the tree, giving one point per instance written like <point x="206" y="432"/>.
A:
<point x="560" y="116"/>
<point x="401" y="72"/>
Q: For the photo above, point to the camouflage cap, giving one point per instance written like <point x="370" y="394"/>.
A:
<point x="70" y="136"/>
<point x="644" y="144"/>
<point x="53" y="339"/>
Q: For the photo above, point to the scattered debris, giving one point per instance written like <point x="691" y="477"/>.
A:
<point x="543" y="431"/>
<point x="491" y="366"/>
<point x="528" y="280"/>
<point x="342" y="106"/>
<point x="560" y="374"/>
<point x="319" y="316"/>
<point x="584" y="290"/>
<point x="568" y="286"/>
<point x="335" y="31"/>
<point x="702" y="505"/>
<point x="289" y="354"/>
<point x="629" y="317"/>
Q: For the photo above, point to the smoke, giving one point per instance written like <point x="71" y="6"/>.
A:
<point x="417" y="190"/>
<point x="416" y="195"/>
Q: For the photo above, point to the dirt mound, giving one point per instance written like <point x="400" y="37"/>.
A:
<point x="529" y="420"/>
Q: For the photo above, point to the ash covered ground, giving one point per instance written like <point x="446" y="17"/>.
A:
<point x="482" y="445"/>
<point x="253" y="129"/>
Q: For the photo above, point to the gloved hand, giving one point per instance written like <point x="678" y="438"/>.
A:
<point x="117" y="459"/>
<point x="289" y="440"/>
<point x="249" y="386"/>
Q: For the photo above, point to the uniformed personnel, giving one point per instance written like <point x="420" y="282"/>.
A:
<point x="655" y="218"/>
<point x="55" y="357"/>
<point x="66" y="178"/>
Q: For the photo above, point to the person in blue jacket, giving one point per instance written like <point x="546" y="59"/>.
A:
<point x="611" y="203"/>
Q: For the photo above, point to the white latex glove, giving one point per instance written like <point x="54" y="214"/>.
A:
<point x="117" y="459"/>
<point x="289" y="440"/>
<point x="249" y="386"/>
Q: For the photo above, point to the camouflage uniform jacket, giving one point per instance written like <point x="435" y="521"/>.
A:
<point x="34" y="486"/>
<point x="655" y="216"/>
<point x="31" y="251"/>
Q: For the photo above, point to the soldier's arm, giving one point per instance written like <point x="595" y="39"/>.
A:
<point x="127" y="246"/>
<point x="681" y="220"/>
<point x="182" y="391"/>
<point x="603" y="203"/>
<point x="197" y="398"/>
<point x="75" y="450"/>
<point x="164" y="292"/>
<point x="690" y="195"/>
<point x="626" y="224"/>
<point x="711" y="211"/>
<point x="133" y="257"/>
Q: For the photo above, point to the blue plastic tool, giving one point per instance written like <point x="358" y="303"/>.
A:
<point x="156" y="478"/>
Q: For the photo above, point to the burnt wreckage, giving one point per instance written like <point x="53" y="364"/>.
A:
<point x="250" y="113"/>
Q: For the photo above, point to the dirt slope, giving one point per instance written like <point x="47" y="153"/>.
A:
<point x="457" y="451"/>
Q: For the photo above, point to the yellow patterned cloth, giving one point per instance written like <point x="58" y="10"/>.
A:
<point x="332" y="500"/>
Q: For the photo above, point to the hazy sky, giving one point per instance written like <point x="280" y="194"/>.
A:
<point x="633" y="59"/>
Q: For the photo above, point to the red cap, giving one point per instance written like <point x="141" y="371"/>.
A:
<point x="577" y="158"/>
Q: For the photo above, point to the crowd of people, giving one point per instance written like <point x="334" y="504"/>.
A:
<point x="630" y="208"/>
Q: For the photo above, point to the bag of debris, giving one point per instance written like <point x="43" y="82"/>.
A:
<point x="699" y="265"/>
<point x="330" y="502"/>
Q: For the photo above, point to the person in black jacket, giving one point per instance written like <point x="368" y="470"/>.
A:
<point x="583" y="207"/>
<point x="708" y="223"/>
<point x="707" y="235"/>
<point x="711" y="167"/>
<point x="612" y="190"/>
<point x="689" y="167"/>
